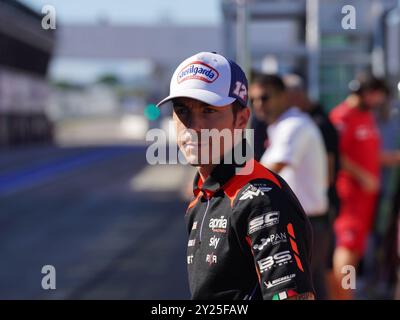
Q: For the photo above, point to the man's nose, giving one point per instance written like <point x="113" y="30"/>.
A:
<point x="196" y="122"/>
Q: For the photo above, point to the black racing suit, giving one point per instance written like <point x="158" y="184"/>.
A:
<point x="249" y="237"/>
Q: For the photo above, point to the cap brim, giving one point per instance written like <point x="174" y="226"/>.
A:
<point x="205" y="96"/>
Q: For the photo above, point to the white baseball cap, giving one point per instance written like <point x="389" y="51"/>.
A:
<point x="211" y="78"/>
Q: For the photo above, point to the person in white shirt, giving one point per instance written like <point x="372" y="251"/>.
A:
<point x="296" y="152"/>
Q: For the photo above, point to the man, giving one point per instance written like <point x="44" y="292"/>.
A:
<point x="248" y="235"/>
<point x="297" y="96"/>
<point x="358" y="179"/>
<point x="384" y="233"/>
<point x="257" y="122"/>
<point x="296" y="152"/>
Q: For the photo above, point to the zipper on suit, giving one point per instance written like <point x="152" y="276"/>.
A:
<point x="204" y="216"/>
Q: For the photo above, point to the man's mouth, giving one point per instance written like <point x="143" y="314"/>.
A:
<point x="193" y="144"/>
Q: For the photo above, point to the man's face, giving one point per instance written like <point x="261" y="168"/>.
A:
<point x="258" y="98"/>
<point x="267" y="102"/>
<point x="373" y="99"/>
<point x="193" y="118"/>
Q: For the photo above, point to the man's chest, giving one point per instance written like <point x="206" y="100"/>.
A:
<point x="209" y="224"/>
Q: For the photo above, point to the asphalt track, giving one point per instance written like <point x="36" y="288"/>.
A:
<point x="74" y="208"/>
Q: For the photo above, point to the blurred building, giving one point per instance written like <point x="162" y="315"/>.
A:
<point x="148" y="52"/>
<point x="25" y="53"/>
<point x="391" y="40"/>
<point x="307" y="37"/>
<point x="300" y="36"/>
<point x="93" y="100"/>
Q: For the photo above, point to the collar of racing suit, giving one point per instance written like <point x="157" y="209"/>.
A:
<point x="221" y="173"/>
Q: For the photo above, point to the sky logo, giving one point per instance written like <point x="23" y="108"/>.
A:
<point x="198" y="71"/>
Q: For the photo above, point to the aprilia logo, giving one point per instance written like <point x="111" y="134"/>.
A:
<point x="218" y="224"/>
<point x="253" y="191"/>
<point x="250" y="194"/>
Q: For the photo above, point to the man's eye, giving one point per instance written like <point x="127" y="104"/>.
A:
<point x="209" y="110"/>
<point x="180" y="110"/>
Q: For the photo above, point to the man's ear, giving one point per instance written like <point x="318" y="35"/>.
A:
<point x="242" y="118"/>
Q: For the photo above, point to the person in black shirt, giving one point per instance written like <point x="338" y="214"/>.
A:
<point x="258" y="97"/>
<point x="249" y="237"/>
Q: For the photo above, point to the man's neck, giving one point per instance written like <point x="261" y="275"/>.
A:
<point x="286" y="108"/>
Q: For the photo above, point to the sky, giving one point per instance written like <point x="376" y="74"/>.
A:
<point x="187" y="12"/>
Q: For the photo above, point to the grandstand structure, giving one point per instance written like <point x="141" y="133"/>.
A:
<point x="25" y="53"/>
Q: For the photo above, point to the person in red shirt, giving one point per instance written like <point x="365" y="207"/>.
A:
<point x="358" y="179"/>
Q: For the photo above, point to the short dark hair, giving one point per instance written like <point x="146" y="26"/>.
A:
<point x="269" y="80"/>
<point x="367" y="82"/>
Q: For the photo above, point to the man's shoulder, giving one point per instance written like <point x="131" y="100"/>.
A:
<point x="297" y="129"/>
<point x="255" y="189"/>
<point x="258" y="185"/>
<point x="258" y="192"/>
<point x="294" y="123"/>
<point x="250" y="172"/>
<point x="263" y="195"/>
<point x="343" y="113"/>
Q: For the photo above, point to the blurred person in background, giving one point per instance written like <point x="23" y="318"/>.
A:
<point x="296" y="152"/>
<point x="297" y="96"/>
<point x="358" y="181"/>
<point x="249" y="237"/>
<point x="258" y="124"/>
<point x="396" y="241"/>
<point x="380" y="265"/>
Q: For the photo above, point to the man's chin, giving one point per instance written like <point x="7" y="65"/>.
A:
<point x="192" y="160"/>
<point x="195" y="165"/>
<point x="196" y="161"/>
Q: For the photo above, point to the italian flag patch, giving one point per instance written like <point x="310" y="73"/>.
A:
<point x="284" y="295"/>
